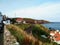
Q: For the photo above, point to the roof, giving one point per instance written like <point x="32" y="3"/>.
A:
<point x="57" y="36"/>
<point x="19" y="19"/>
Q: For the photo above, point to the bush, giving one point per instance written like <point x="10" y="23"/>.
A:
<point x="37" y="32"/>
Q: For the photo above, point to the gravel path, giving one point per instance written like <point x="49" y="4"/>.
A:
<point x="9" y="39"/>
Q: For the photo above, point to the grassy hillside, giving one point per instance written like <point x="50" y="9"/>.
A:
<point x="36" y="29"/>
<point x="26" y="39"/>
<point x="26" y="26"/>
<point x="22" y="37"/>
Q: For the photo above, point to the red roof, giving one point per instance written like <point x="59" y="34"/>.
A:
<point x="57" y="36"/>
<point x="19" y="19"/>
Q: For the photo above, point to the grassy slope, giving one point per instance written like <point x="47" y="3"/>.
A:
<point x="35" y="29"/>
<point x="25" y="26"/>
<point x="17" y="32"/>
<point x="23" y="37"/>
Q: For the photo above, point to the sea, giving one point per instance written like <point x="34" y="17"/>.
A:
<point x="52" y="25"/>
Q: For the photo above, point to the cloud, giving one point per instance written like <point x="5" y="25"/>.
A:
<point x="47" y="11"/>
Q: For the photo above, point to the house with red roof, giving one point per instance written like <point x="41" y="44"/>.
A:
<point x="55" y="36"/>
<point x="19" y="20"/>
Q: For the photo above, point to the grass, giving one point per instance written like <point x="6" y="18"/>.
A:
<point x="37" y="32"/>
<point x="37" y="27"/>
<point x="25" y="39"/>
<point x="23" y="26"/>
<point x="21" y="36"/>
<point x="17" y="34"/>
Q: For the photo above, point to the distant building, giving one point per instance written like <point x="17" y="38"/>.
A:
<point x="19" y="20"/>
<point x="24" y="22"/>
<point x="8" y="21"/>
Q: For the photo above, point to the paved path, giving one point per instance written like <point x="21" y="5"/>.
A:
<point x="9" y="39"/>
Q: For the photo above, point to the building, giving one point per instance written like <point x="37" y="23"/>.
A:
<point x="7" y="21"/>
<point x="19" y="20"/>
<point x="55" y="36"/>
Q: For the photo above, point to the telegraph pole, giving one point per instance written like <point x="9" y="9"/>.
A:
<point x="15" y="15"/>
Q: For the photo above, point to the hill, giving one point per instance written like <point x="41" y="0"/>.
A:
<point x="28" y="20"/>
<point x="28" y="34"/>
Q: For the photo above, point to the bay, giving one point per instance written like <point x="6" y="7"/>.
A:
<point x="53" y="25"/>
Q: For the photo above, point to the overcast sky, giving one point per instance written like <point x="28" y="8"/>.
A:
<point x="36" y="9"/>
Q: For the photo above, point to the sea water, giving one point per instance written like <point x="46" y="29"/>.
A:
<point x="53" y="25"/>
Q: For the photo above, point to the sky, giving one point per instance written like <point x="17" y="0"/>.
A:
<point x="36" y="9"/>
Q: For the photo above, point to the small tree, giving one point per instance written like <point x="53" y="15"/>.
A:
<point x="13" y="20"/>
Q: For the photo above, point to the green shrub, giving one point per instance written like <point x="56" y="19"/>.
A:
<point x="37" y="32"/>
